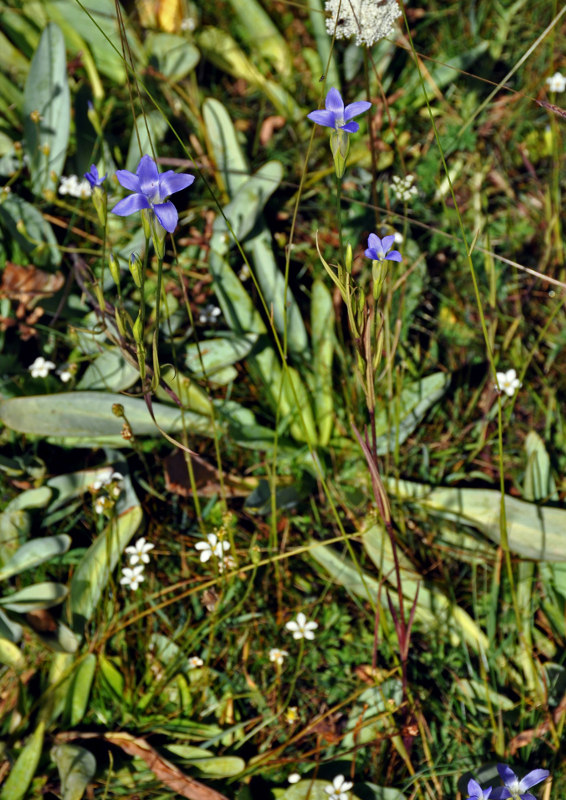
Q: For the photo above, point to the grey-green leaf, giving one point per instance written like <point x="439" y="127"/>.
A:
<point x="76" y="767"/>
<point x="47" y="94"/>
<point x="35" y="552"/>
<point x="22" y="772"/>
<point x="39" y="241"/>
<point x="218" y="353"/>
<point x="35" y="597"/>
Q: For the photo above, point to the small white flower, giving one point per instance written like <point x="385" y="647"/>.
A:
<point x="291" y="715"/>
<point x="213" y="546"/>
<point x="338" y="789"/>
<point x="508" y="382"/>
<point x="84" y="190"/>
<point x="209" y="314"/>
<point x="277" y="656"/>
<point x="403" y="188"/>
<point x="40" y="367"/>
<point x="65" y="375"/>
<point x="68" y="184"/>
<point x="139" y="551"/>
<point x="188" y="24"/>
<point x="227" y="563"/>
<point x="195" y="661"/>
<point x="556" y="83"/>
<point x="100" y="505"/>
<point x="132" y="576"/>
<point x="301" y="628"/>
<point x="367" y="20"/>
<point x="294" y="777"/>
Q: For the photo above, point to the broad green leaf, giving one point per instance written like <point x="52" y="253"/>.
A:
<point x="403" y="416"/>
<point x="322" y="327"/>
<point x="244" y="210"/>
<point x="15" y="211"/>
<point x="533" y="531"/>
<point x="539" y="483"/>
<point x="79" y="693"/>
<point x="226" y="152"/>
<point x="263" y="35"/>
<point x="109" y="371"/>
<point x="47" y="94"/>
<point x="21" y="774"/>
<point x="76" y="767"/>
<point x="35" y="552"/>
<point x="84" y="414"/>
<point x="11" y="655"/>
<point x="219" y="766"/>
<point x="112" y="675"/>
<point x="174" y="57"/>
<point x="187" y="390"/>
<point x="10" y="630"/>
<point x="218" y="353"/>
<point x="93" y="572"/>
<point x="35" y="597"/>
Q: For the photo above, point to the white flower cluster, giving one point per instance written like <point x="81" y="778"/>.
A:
<point x="74" y="187"/>
<point x="108" y="488"/>
<point x="133" y="575"/>
<point x="367" y="20"/>
<point x="403" y="188"/>
<point x="41" y="369"/>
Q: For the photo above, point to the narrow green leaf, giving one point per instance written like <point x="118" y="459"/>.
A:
<point x="322" y="328"/>
<point x="35" y="597"/>
<point x="47" y="94"/>
<point x="21" y="774"/>
<point x="230" y="161"/>
<point x="35" y="552"/>
<point x="76" y="767"/>
<point x="14" y="210"/>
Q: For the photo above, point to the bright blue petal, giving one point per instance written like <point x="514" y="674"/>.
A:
<point x="387" y="242"/>
<point x="128" y="180"/>
<point x="171" y="182"/>
<point x="167" y="215"/>
<point x="394" y="255"/>
<point x="129" y="205"/>
<point x="149" y="177"/>
<point x="374" y="241"/>
<point x="334" y="102"/>
<point x="326" y="118"/>
<point x="532" y="778"/>
<point x="527" y="796"/>
<point x="500" y="793"/>
<point x="356" y="108"/>
<point x="371" y="253"/>
<point x="350" y="127"/>
<point x="506" y="774"/>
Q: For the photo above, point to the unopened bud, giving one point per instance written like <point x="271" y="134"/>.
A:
<point x="137" y="330"/>
<point x="136" y="268"/>
<point x="114" y="268"/>
<point x="348" y="262"/>
<point x="118" y="409"/>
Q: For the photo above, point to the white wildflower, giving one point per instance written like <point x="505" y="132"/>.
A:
<point x="40" y="367"/>
<point x="139" y="551"/>
<point x="188" y="24"/>
<point x="195" y="661"/>
<point x="132" y="576"/>
<point x="508" y="382"/>
<point x="556" y="83"/>
<point x="227" y="563"/>
<point x="74" y="187"/>
<point x="291" y="715"/>
<point x="65" y="374"/>
<point x="338" y="789"/>
<point x="277" y="656"/>
<point x="100" y="505"/>
<point x="209" y="314"/>
<point x="301" y="628"/>
<point x="212" y="546"/>
<point x="403" y="188"/>
<point x="367" y="20"/>
<point x="294" y="777"/>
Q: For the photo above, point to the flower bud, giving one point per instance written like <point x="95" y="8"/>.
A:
<point x="136" y="268"/>
<point x="114" y="268"/>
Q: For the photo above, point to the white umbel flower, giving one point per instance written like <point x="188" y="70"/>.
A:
<point x="40" y="367"/>
<point x="139" y="551"/>
<point x="132" y="576"/>
<point x="302" y="628"/>
<point x="367" y="20"/>
<point x="508" y="382"/>
<point x="338" y="789"/>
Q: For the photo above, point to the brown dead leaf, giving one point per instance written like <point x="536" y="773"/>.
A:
<point x="27" y="285"/>
<point x="269" y="125"/>
<point x="164" y="770"/>
<point x="206" y="478"/>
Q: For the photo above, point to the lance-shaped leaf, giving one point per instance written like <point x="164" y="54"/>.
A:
<point x="76" y="768"/>
<point x="35" y="552"/>
<point x="21" y="774"/>
<point x="35" y="597"/>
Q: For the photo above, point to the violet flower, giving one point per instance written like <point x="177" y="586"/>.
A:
<point x="150" y="191"/>
<point x="377" y="249"/>
<point x="336" y="116"/>
<point x="515" y="788"/>
<point x="93" y="177"/>
<point x="475" y="792"/>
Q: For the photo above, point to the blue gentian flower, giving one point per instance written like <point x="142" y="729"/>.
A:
<point x="377" y="249"/>
<point x="475" y="791"/>
<point x="336" y="116"/>
<point x="151" y="191"/>
<point x="515" y="788"/>
<point x="93" y="177"/>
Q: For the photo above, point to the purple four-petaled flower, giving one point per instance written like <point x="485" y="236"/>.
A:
<point x="475" y="792"/>
<point x="93" y="177"/>
<point x="336" y="116"/>
<point x="377" y="249"/>
<point x="515" y="788"/>
<point x="150" y="191"/>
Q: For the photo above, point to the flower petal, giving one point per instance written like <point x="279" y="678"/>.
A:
<point x="167" y="215"/>
<point x="506" y="774"/>
<point x="334" y="102"/>
<point x="325" y="118"/>
<point x="532" y="778"/>
<point x="394" y="255"/>
<point x="500" y="793"/>
<point x="350" y="127"/>
<point x="374" y="242"/>
<point x="129" y="205"/>
<point x="148" y="174"/>
<point x="387" y="242"/>
<point x="171" y="182"/>
<point x="128" y="180"/>
<point x="354" y="109"/>
<point x="371" y="252"/>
